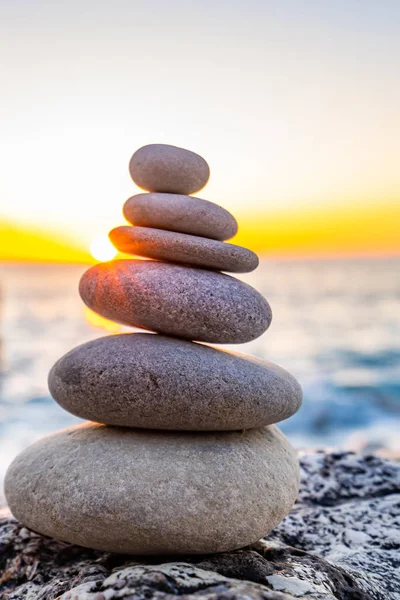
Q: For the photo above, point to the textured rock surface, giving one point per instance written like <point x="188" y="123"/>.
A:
<point x="183" y="248"/>
<point x="164" y="168"/>
<point x="350" y="514"/>
<point x="324" y="561"/>
<point x="148" y="380"/>
<point x="175" y="212"/>
<point x="175" y="300"/>
<point x="145" y="492"/>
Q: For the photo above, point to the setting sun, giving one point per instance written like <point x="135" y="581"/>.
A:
<point x="102" y="249"/>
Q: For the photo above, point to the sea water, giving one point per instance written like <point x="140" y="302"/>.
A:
<point x="336" y="327"/>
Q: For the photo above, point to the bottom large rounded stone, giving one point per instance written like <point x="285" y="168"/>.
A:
<point x="151" y="492"/>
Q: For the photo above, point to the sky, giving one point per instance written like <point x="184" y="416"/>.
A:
<point x="295" y="106"/>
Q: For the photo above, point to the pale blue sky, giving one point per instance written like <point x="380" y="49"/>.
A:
<point x="291" y="102"/>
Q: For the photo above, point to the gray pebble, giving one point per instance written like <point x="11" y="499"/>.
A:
<point x="150" y="492"/>
<point x="183" y="248"/>
<point x="179" y="301"/>
<point x="185" y="214"/>
<point x="164" y="168"/>
<point x="152" y="381"/>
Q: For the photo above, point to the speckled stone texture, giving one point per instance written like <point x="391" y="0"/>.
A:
<point x="184" y="214"/>
<point x="145" y="492"/>
<point x="175" y="300"/>
<point x="164" y="168"/>
<point x="339" y="542"/>
<point x="183" y="248"/>
<point x="348" y="512"/>
<point x="148" y="380"/>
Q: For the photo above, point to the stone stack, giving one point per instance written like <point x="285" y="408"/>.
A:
<point x="180" y="455"/>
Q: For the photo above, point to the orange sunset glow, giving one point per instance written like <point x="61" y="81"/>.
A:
<point x="366" y="230"/>
<point x="352" y="230"/>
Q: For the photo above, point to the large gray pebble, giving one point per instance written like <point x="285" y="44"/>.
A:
<point x="164" y="168"/>
<point x="147" y="492"/>
<point x="183" y="248"/>
<point x="179" y="301"/>
<point x="152" y="381"/>
<point x="185" y="214"/>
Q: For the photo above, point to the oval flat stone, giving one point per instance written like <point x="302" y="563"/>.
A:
<point x="164" y="168"/>
<point x="185" y="214"/>
<point x="150" y="492"/>
<point x="179" y="301"/>
<point x="183" y="248"/>
<point x="151" y="381"/>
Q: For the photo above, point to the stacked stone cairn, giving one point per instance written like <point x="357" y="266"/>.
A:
<point x="180" y="454"/>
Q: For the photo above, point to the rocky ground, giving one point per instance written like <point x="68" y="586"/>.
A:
<point x="341" y="541"/>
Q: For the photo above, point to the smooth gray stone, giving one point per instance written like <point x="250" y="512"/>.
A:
<point x="151" y="381"/>
<point x="185" y="214"/>
<point x="179" y="301"/>
<point x="338" y="542"/>
<point x="183" y="248"/>
<point x="150" y="492"/>
<point x="164" y="168"/>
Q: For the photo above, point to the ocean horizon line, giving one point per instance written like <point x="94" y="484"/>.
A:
<point x="263" y="256"/>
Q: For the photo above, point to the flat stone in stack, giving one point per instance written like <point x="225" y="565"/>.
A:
<point x="154" y="492"/>
<point x="184" y="302"/>
<point x="186" y="458"/>
<point x="183" y="214"/>
<point x="183" y="248"/>
<point x="158" y="382"/>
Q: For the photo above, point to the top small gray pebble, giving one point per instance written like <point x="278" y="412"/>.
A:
<point x="164" y="168"/>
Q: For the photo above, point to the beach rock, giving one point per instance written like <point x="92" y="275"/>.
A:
<point x="321" y="559"/>
<point x="149" y="492"/>
<point x="175" y="300"/>
<point x="182" y="248"/>
<point x="164" y="168"/>
<point x="185" y="214"/>
<point x="148" y="380"/>
<point x="348" y="512"/>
